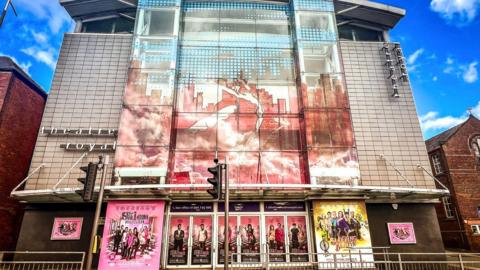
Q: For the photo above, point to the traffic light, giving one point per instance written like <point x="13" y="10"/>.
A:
<point x="216" y="181"/>
<point x="88" y="181"/>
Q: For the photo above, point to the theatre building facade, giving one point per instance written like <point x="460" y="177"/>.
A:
<point x="307" y="102"/>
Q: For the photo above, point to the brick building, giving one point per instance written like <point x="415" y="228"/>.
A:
<point x="455" y="160"/>
<point x="21" y="107"/>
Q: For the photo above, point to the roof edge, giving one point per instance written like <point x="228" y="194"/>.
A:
<point x="7" y="64"/>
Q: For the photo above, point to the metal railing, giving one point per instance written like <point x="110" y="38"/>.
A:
<point x="359" y="260"/>
<point x="33" y="260"/>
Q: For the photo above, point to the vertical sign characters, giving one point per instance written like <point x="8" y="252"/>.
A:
<point x="342" y="227"/>
<point x="132" y="235"/>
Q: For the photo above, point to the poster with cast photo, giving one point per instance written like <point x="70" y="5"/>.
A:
<point x="178" y="240"/>
<point x="342" y="227"/>
<point x="202" y="240"/>
<point x="401" y="233"/>
<point x="275" y="238"/>
<point x="250" y="237"/>
<point x="232" y="238"/>
<point x="67" y="228"/>
<point x="132" y="235"/>
<point x="297" y="236"/>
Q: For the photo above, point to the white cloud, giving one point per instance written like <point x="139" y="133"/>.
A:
<point x="435" y="78"/>
<point x="414" y="56"/>
<point x="470" y="74"/>
<point x="458" y="11"/>
<point x="449" y="61"/>
<point x="44" y="56"/>
<point x="24" y="65"/>
<point x="40" y="37"/>
<point x="433" y="122"/>
<point x="50" y="10"/>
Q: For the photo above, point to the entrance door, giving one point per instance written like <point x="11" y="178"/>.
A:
<point x="190" y="241"/>
<point x="243" y="237"/>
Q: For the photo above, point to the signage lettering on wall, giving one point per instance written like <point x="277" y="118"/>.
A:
<point x="52" y="131"/>
<point x="91" y="147"/>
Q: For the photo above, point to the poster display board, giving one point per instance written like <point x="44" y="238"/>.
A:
<point x="275" y="238"/>
<point x="202" y="240"/>
<point x="178" y="240"/>
<point x="250" y="238"/>
<point x="297" y="236"/>
<point x="341" y="227"/>
<point x="232" y="238"/>
<point x="401" y="233"/>
<point x="132" y="235"/>
<point x="67" y="228"/>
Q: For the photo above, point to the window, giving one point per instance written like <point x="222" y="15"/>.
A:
<point x="437" y="164"/>
<point x="355" y="33"/>
<point x="475" y="146"/>
<point x="111" y="25"/>
<point x="448" y="206"/>
<point x="476" y="229"/>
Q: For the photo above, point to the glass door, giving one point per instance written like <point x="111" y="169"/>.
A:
<point x="297" y="238"/>
<point x="275" y="235"/>
<point x="249" y="229"/>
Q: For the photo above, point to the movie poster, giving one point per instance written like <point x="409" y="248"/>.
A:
<point x="132" y="235"/>
<point x="275" y="238"/>
<point x="178" y="240"/>
<point x="340" y="227"/>
<point x="297" y="236"/>
<point x="250" y="236"/>
<point x="232" y="238"/>
<point x="401" y="233"/>
<point x="67" y="228"/>
<point x="202" y="240"/>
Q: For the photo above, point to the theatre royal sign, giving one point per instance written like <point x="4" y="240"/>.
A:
<point x="83" y="132"/>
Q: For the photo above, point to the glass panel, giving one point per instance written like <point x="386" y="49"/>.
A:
<point x="192" y="132"/>
<point x="280" y="133"/>
<point x="197" y="95"/>
<point x="138" y="156"/>
<point x="198" y="62"/>
<point x="324" y="91"/>
<point x="317" y="26"/>
<point x="178" y="240"/>
<point x="100" y="26"/>
<point x="280" y="168"/>
<point x="191" y="167"/>
<point x="321" y="59"/>
<point x="232" y="238"/>
<point x="145" y="125"/>
<point x="275" y="64"/>
<point x="276" y="238"/>
<point x="278" y="97"/>
<point x="297" y="236"/>
<point x="250" y="236"/>
<point x="202" y="240"/>
<point x="156" y="22"/>
<point x="149" y="87"/>
<point x="337" y="166"/>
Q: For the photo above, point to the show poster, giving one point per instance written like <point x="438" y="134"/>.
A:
<point x="341" y="227"/>
<point x="178" y="240"/>
<point x="232" y="238"/>
<point x="297" y="236"/>
<point x="276" y="238"/>
<point x="67" y="228"/>
<point x="401" y="233"/>
<point x="250" y="236"/>
<point x="202" y="240"/>
<point x="132" y="235"/>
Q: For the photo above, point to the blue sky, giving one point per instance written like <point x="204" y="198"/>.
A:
<point x="440" y="38"/>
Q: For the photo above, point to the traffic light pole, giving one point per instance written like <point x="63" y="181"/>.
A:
<point x="227" y="206"/>
<point x="97" y="214"/>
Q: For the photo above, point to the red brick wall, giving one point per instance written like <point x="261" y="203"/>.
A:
<point x="464" y="173"/>
<point x="20" y="120"/>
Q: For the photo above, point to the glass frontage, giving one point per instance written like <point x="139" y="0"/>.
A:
<point x="259" y="85"/>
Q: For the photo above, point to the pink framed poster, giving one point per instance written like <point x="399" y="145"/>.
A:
<point x="67" y="228"/>
<point x="401" y="233"/>
<point x="132" y="235"/>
